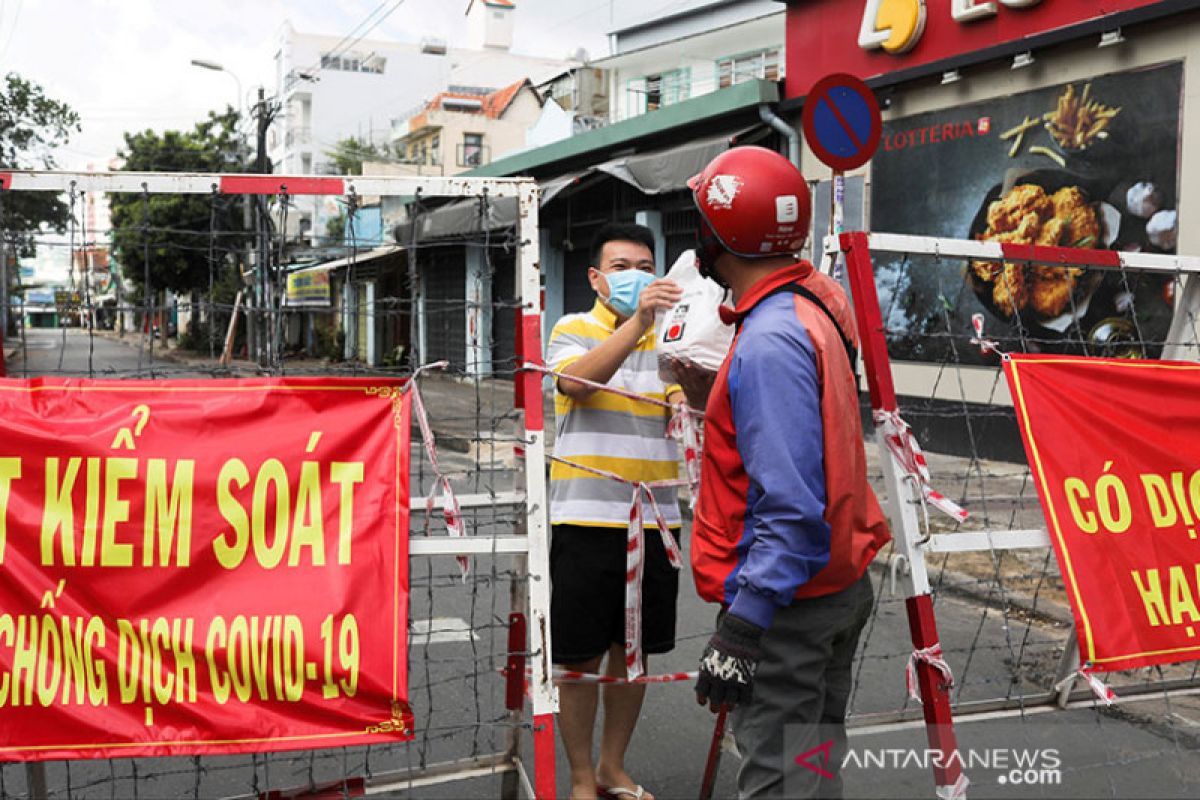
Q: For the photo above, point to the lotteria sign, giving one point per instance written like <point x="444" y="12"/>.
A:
<point x="882" y="39"/>
<point x="897" y="25"/>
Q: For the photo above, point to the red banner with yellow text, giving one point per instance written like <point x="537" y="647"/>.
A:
<point x="1115" y="448"/>
<point x="192" y="567"/>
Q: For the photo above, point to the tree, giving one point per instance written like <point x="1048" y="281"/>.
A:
<point x="335" y="228"/>
<point x="32" y="125"/>
<point x="177" y="230"/>
<point x="349" y="154"/>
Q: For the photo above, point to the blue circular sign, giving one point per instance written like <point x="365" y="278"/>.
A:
<point x="841" y="122"/>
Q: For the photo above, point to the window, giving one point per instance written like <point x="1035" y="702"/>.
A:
<point x="763" y="64"/>
<point x="668" y="88"/>
<point x="472" y="150"/>
<point x="354" y="63"/>
<point x="435" y="149"/>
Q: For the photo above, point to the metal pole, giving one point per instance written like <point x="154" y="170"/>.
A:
<point x="839" y="219"/>
<point x="35" y="777"/>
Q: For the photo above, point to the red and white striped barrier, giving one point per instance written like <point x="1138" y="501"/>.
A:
<point x="293" y="185"/>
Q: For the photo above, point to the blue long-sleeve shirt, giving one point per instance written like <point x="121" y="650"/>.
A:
<point x="784" y="510"/>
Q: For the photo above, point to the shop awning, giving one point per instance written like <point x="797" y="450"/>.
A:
<point x="463" y="218"/>
<point x="656" y="172"/>
<point x="668" y="170"/>
<point x="552" y="186"/>
<point x="358" y="258"/>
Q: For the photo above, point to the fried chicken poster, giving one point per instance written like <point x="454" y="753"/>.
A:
<point x="1087" y="164"/>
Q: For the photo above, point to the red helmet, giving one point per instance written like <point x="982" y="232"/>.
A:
<point x="755" y="201"/>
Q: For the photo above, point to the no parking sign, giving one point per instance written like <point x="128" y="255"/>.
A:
<point x="841" y="122"/>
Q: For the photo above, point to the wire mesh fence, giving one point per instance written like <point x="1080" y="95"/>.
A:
<point x="464" y="296"/>
<point x="1000" y="610"/>
<point x="363" y="309"/>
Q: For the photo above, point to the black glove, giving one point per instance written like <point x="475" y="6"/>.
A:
<point x="728" y="663"/>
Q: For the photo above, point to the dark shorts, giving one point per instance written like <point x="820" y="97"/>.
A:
<point x="587" y="593"/>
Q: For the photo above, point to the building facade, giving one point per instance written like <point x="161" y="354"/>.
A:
<point x="463" y="128"/>
<point x="329" y="90"/>
<point x="663" y="60"/>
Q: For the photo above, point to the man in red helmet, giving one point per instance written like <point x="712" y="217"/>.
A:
<point x="786" y="523"/>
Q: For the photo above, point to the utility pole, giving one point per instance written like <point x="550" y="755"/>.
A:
<point x="263" y="231"/>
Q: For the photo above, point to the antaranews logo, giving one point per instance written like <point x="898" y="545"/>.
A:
<point x="1019" y="766"/>
<point x="894" y="25"/>
<point x="895" y="769"/>
<point x="817" y="759"/>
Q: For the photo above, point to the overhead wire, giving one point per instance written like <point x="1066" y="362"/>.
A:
<point x="12" y="31"/>
<point x="339" y="49"/>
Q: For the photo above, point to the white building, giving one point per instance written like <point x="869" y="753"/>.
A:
<point x="331" y="90"/>
<point x="666" y="59"/>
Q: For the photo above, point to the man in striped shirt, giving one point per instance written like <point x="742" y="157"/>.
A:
<point x="612" y="344"/>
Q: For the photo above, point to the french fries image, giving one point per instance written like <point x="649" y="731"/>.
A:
<point x="1017" y="134"/>
<point x="1048" y="153"/>
<point x="1077" y="120"/>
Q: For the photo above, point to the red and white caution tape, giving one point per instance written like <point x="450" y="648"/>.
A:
<point x="635" y="559"/>
<point x="904" y="448"/>
<point x="572" y="676"/>
<point x="603" y="387"/>
<point x="956" y="791"/>
<point x="685" y="427"/>
<point x="451" y="511"/>
<point x="1102" y="690"/>
<point x="635" y="553"/>
<point x="561" y="675"/>
<point x="985" y="345"/>
<point x="932" y="656"/>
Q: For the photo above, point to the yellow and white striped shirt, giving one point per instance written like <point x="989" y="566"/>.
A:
<point x="609" y="432"/>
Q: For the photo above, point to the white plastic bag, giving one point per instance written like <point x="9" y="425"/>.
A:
<point x="692" y="332"/>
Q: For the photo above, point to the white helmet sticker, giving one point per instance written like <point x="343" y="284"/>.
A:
<point x="787" y="209"/>
<point x="722" y="190"/>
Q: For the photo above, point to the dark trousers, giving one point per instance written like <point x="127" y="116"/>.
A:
<point x="801" y="689"/>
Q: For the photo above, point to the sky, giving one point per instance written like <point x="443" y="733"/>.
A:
<point x="124" y="65"/>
